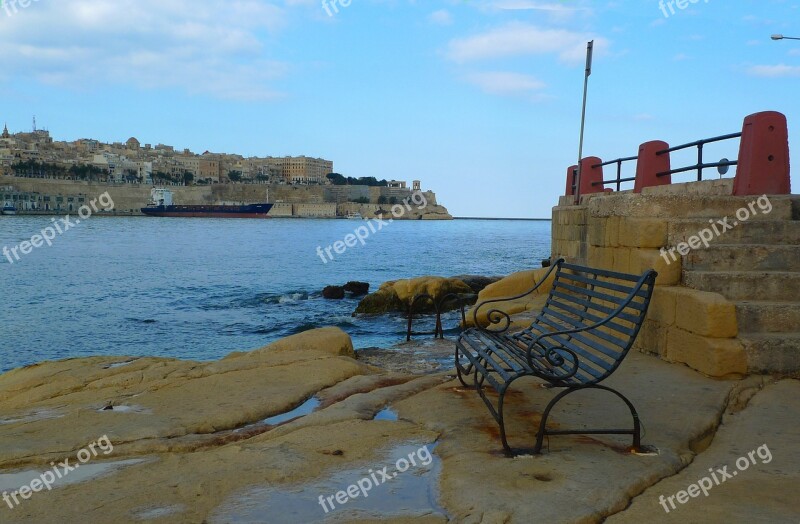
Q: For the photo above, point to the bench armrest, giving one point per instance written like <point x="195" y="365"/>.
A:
<point x="555" y="359"/>
<point x="495" y="316"/>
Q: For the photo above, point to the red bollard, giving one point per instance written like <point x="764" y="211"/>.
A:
<point x="650" y="163"/>
<point x="763" y="167"/>
<point x="591" y="176"/>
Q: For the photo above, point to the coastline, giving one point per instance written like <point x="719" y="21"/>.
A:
<point x="314" y="201"/>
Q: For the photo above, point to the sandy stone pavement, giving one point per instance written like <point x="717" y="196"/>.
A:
<point x="196" y="442"/>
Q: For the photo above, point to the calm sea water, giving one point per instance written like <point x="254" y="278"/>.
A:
<point x="201" y="288"/>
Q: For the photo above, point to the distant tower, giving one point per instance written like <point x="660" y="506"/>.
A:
<point x="417" y="185"/>
<point x="34" y="123"/>
<point x="6" y="134"/>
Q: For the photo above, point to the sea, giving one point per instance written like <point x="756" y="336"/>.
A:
<point x="202" y="288"/>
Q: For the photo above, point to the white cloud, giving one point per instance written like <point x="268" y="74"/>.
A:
<point x="557" y="11"/>
<point x="212" y="47"/>
<point x="774" y="71"/>
<point x="441" y="17"/>
<point x="523" y="39"/>
<point x="505" y="83"/>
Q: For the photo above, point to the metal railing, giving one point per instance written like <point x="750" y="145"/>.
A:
<point x="619" y="180"/>
<point x="461" y="301"/>
<point x="700" y="166"/>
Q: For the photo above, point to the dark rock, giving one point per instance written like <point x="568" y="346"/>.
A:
<point x="357" y="288"/>
<point x="382" y="301"/>
<point x="333" y="292"/>
<point x="477" y="282"/>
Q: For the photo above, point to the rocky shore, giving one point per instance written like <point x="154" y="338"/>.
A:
<point x="199" y="441"/>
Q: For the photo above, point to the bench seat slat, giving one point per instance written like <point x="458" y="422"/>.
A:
<point x="566" y="266"/>
<point x="584" y="355"/>
<point x="486" y="375"/>
<point x="603" y="284"/>
<point x="592" y="319"/>
<point x="590" y="304"/>
<point x="598" y="294"/>
<point x="612" y="350"/>
<point x="487" y="350"/>
<point x="499" y="349"/>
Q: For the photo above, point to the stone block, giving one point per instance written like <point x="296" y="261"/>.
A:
<point x="662" y="306"/>
<point x="601" y="257"/>
<point x="596" y="231"/>
<point x="612" y="231"/>
<point x="704" y="313"/>
<point x="669" y="272"/>
<point x="621" y="259"/>
<point x="715" y="357"/>
<point x="643" y="232"/>
<point x="652" y="339"/>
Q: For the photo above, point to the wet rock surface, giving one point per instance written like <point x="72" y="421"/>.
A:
<point x="357" y="289"/>
<point x="209" y="456"/>
<point x="396" y="295"/>
<point x="333" y="292"/>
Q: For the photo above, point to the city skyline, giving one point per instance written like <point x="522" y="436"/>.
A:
<point x="479" y="99"/>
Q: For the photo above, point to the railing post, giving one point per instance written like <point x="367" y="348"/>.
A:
<point x="572" y="172"/>
<point x="591" y="176"/>
<point x="650" y="163"/>
<point x="763" y="167"/>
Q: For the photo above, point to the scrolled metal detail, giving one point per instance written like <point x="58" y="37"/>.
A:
<point x="559" y="357"/>
<point x="496" y="316"/>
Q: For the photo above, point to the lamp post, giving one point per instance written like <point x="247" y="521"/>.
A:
<point x="589" y="53"/>
<point x="781" y="37"/>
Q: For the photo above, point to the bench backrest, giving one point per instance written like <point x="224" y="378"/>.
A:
<point x="583" y="296"/>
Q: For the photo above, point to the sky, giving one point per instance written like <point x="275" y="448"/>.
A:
<point x="479" y="99"/>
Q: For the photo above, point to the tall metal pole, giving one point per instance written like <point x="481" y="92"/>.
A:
<point x="589" y="51"/>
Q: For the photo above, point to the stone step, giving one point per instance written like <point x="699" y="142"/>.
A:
<point x="772" y="352"/>
<point x="747" y="285"/>
<point x="746" y="257"/>
<point x="778" y="207"/>
<point x="768" y="316"/>
<point x="785" y="232"/>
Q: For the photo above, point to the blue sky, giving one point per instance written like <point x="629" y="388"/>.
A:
<point x="478" y="99"/>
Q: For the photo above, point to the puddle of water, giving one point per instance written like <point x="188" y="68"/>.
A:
<point x="82" y="472"/>
<point x="158" y="512"/>
<point x="302" y="410"/>
<point x="125" y="409"/>
<point x="386" y="414"/>
<point x="409" y="494"/>
<point x="33" y="416"/>
<point x="119" y="364"/>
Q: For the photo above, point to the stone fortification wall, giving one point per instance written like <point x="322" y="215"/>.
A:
<point x="300" y="201"/>
<point x="686" y="323"/>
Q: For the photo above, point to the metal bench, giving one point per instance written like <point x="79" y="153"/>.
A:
<point x="586" y="327"/>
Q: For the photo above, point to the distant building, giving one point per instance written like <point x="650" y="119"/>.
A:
<point x="302" y="169"/>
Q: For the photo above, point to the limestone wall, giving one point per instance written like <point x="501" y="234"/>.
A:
<point x="625" y="232"/>
<point x="302" y="201"/>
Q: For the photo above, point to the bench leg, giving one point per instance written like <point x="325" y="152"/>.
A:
<point x="635" y="432"/>
<point x="497" y="413"/>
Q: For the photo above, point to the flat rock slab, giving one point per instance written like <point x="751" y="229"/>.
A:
<point x="184" y="420"/>
<point x="580" y="478"/>
<point x="758" y="451"/>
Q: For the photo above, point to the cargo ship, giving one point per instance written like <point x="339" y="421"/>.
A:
<point x="161" y="205"/>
